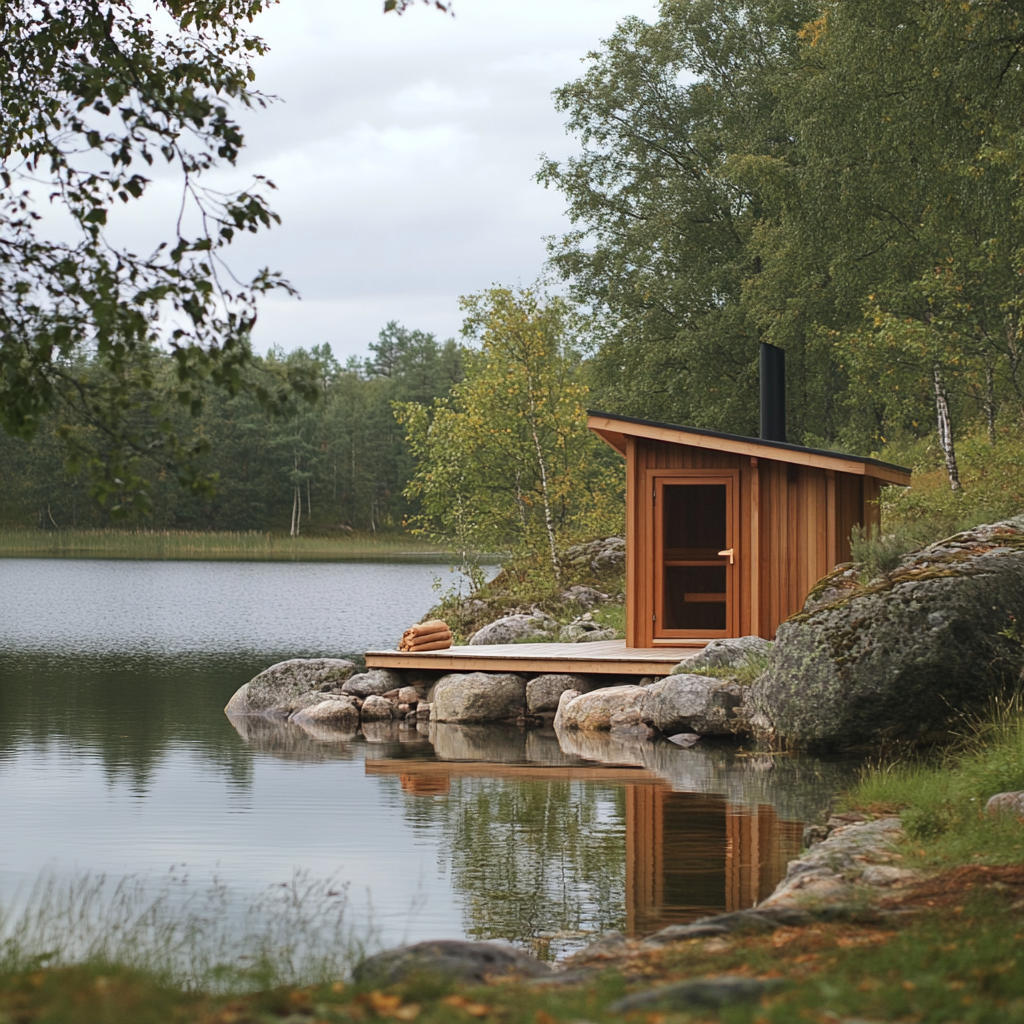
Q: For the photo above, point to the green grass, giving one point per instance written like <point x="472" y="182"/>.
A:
<point x="213" y="546"/>
<point x="942" y="798"/>
<point x="750" y="669"/>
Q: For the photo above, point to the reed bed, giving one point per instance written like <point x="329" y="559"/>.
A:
<point x="195" y="938"/>
<point x="215" y="546"/>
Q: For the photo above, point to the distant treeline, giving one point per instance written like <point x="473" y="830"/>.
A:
<point x="338" y="464"/>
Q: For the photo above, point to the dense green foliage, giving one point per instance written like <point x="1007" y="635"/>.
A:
<point x="842" y="180"/>
<point x="338" y="463"/>
<point x="94" y="94"/>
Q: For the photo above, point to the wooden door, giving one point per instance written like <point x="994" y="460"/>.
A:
<point x="696" y="554"/>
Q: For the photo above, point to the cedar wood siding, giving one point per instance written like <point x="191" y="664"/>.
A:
<point x="804" y="517"/>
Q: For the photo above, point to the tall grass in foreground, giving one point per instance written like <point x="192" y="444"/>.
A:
<point x="292" y="934"/>
<point x="942" y="800"/>
<point x="223" y="546"/>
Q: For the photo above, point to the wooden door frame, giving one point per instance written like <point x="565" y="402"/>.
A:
<point x="729" y="477"/>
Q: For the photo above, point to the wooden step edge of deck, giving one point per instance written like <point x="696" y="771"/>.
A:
<point x="654" y="664"/>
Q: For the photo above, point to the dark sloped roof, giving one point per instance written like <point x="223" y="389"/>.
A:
<point x="778" y="450"/>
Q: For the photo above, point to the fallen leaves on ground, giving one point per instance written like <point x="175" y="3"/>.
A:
<point x="462" y="1003"/>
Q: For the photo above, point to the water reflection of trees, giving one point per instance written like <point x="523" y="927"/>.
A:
<point x="534" y="862"/>
<point x="128" y="711"/>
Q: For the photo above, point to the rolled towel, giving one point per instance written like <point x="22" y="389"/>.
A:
<point x="416" y="643"/>
<point x="438" y="645"/>
<point x="429" y="638"/>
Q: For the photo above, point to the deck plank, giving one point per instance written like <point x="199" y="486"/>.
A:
<point x="604" y="657"/>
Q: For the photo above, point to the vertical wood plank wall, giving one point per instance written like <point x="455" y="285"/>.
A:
<point x="804" y="518"/>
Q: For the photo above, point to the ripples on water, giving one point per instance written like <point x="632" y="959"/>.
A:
<point x="116" y="759"/>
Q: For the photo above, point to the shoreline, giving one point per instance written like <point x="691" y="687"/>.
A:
<point x="223" y="546"/>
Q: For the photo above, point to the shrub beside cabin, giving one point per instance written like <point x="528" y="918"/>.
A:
<point x="726" y="535"/>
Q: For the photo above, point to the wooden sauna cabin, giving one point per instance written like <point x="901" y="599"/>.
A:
<point x="726" y="535"/>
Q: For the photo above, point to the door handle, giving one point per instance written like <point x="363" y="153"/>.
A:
<point x="729" y="552"/>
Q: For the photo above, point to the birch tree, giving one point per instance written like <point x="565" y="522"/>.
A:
<point x="506" y="461"/>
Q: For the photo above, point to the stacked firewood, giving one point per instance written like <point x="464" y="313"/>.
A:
<point x="426" y="636"/>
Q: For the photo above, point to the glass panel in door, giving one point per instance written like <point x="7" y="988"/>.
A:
<point x="694" y="574"/>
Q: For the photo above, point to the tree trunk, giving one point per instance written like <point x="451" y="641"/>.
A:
<point x="295" y="499"/>
<point x="549" y="524"/>
<point x="298" y="502"/>
<point x="945" y="429"/>
<point x="990" y="403"/>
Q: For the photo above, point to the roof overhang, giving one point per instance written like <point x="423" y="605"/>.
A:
<point x="614" y="430"/>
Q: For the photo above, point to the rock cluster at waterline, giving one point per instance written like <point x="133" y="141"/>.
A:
<point x="324" y="695"/>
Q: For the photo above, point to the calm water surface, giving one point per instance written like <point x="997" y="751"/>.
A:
<point x="116" y="759"/>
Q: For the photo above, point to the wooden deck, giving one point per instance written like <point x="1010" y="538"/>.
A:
<point x="604" y="657"/>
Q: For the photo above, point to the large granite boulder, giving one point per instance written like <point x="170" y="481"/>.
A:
<point x="542" y="692"/>
<point x="374" y="683"/>
<point x="899" y="656"/>
<point x="513" y="628"/>
<point x="452" y="959"/>
<point x="731" y="652"/>
<point x="479" y="697"/>
<point x="690" y="703"/>
<point x="595" y="710"/>
<point x="278" y="689"/>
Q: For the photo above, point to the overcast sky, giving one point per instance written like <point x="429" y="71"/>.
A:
<point x="404" y="152"/>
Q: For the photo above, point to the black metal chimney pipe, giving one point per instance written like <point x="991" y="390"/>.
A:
<point x="773" y="393"/>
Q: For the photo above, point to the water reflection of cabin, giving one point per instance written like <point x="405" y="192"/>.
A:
<point x="727" y="535"/>
<point x="688" y="855"/>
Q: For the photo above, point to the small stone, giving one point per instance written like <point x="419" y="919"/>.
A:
<point x="543" y="692"/>
<point x="423" y="710"/>
<point x="595" y="710"/>
<point x="690" y="703"/>
<point x="376" y="709"/>
<point x="510" y="628"/>
<point x="409" y="695"/>
<point x="1006" y="803"/>
<point x="473" y="962"/>
<point x="337" y="713"/>
<point x="376" y="682"/>
<point x="479" y="697"/>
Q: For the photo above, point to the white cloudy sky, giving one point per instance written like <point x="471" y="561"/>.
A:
<point x="404" y="152"/>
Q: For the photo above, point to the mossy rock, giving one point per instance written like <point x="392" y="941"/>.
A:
<point x="903" y="655"/>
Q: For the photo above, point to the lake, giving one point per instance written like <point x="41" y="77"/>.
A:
<point x="116" y="760"/>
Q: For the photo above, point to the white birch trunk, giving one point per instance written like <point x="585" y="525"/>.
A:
<point x="549" y="523"/>
<point x="945" y="429"/>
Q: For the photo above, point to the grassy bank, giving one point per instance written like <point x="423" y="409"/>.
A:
<point x="188" y="545"/>
<point x="942" y="799"/>
<point x="960" y="963"/>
